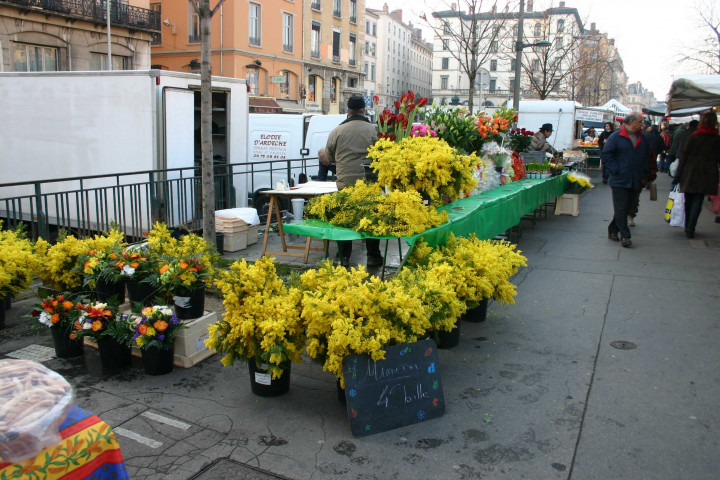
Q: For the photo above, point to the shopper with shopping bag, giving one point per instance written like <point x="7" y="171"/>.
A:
<point x="697" y="173"/>
<point x="675" y="208"/>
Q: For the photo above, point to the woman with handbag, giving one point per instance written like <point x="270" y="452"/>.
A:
<point x="697" y="172"/>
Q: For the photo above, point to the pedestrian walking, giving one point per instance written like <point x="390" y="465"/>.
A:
<point x="627" y="155"/>
<point x="604" y="135"/>
<point x="697" y="172"/>
<point x="347" y="147"/>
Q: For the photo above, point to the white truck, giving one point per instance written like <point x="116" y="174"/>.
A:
<point x="566" y="116"/>
<point x="84" y="124"/>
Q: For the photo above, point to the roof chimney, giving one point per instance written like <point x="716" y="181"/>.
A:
<point x="385" y="8"/>
<point x="592" y="27"/>
<point x="397" y="15"/>
<point x="530" y="5"/>
<point x="612" y="41"/>
<point x="562" y="4"/>
<point x="452" y="7"/>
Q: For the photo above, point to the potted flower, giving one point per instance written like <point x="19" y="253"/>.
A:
<point x="519" y="140"/>
<point x="103" y="272"/>
<point x="18" y="262"/>
<point x="140" y="266"/>
<point x="261" y="325"/>
<point x="155" y="332"/>
<point x="428" y="165"/>
<point x="347" y="312"/>
<point x="59" y="314"/>
<point x="183" y="280"/>
<point x="112" y="332"/>
<point x="577" y="183"/>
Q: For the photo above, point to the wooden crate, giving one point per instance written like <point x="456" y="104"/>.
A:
<point x="567" y="204"/>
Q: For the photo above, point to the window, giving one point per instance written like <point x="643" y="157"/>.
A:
<point x="374" y="29"/>
<point x="493" y="65"/>
<point x="446" y="44"/>
<point x="315" y="40"/>
<point x="312" y="80"/>
<point x="98" y="61"/>
<point x="315" y="4"/>
<point x="446" y="28"/>
<point x="353" y="11"/>
<point x="336" y="45"/>
<point x="561" y="25"/>
<point x="365" y="68"/>
<point x="288" y="35"/>
<point x="285" y="86"/>
<point x="515" y="31"/>
<point x="34" y="58"/>
<point x="372" y="72"/>
<point x="352" y="49"/>
<point x="444" y="83"/>
<point x="254" y="20"/>
<point x="494" y="46"/>
<point x="559" y="43"/>
<point x="252" y="78"/>
<point x="352" y="82"/>
<point x="538" y="29"/>
<point x="493" y="84"/>
<point x="536" y="65"/>
<point x="445" y="63"/>
<point x="157" y="37"/>
<point x="337" y="8"/>
<point x="556" y="82"/>
<point x="194" y="25"/>
<point x="367" y="27"/>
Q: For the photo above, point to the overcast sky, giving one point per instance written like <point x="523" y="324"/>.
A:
<point x="648" y="33"/>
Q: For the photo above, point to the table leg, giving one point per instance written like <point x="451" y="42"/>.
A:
<point x="267" y="225"/>
<point x="278" y="216"/>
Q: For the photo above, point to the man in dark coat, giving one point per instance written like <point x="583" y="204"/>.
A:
<point x="679" y="140"/>
<point x="627" y="155"/>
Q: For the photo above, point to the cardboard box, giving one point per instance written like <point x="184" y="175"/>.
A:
<point x="190" y="346"/>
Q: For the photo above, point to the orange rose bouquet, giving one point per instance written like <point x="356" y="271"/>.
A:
<point x="94" y="319"/>
<point x="56" y="311"/>
<point x="157" y="327"/>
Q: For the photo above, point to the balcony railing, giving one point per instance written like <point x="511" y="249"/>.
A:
<point x="315" y="53"/>
<point x="194" y="38"/>
<point x="337" y="13"/>
<point x="336" y="58"/>
<point x="120" y="14"/>
<point x="315" y="5"/>
<point x="254" y="41"/>
<point x="353" y="19"/>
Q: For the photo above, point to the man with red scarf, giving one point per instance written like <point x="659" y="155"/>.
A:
<point x="626" y="155"/>
<point x="697" y="172"/>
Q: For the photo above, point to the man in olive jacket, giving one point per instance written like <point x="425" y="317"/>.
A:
<point x="347" y="147"/>
<point x="627" y="155"/>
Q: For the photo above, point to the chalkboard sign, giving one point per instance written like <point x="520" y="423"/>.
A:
<point x="403" y="389"/>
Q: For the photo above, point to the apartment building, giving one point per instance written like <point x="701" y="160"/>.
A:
<point x="332" y="56"/>
<point x="639" y="97"/>
<point x="259" y="41"/>
<point x="602" y="76"/>
<point x="403" y="59"/>
<point x="544" y="73"/>
<point x="71" y="35"/>
<point x="370" y="56"/>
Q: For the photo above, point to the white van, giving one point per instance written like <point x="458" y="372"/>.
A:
<point x="276" y="137"/>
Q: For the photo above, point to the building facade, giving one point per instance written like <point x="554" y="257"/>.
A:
<point x="259" y="41"/>
<point x="71" y="35"/>
<point x="603" y="75"/>
<point x="639" y="97"/>
<point x="544" y="72"/>
<point x="370" y="57"/>
<point x="403" y="59"/>
<point x="334" y="37"/>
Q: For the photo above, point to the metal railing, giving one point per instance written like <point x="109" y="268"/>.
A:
<point x="120" y="13"/>
<point x="134" y="201"/>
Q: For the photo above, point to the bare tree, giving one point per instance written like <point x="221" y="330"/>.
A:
<point x="202" y="7"/>
<point x="470" y="36"/>
<point x="705" y="56"/>
<point x="548" y="68"/>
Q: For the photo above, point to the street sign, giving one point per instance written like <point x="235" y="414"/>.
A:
<point x="277" y="79"/>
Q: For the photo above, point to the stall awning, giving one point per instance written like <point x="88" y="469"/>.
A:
<point x="694" y="91"/>
<point x="289" y="106"/>
<point x="264" y="105"/>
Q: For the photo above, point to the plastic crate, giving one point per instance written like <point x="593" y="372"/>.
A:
<point x="234" y="241"/>
<point x="567" y="204"/>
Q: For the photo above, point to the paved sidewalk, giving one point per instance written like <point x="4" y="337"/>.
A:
<point x="605" y="368"/>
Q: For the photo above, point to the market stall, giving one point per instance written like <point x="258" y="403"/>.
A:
<point x="486" y="215"/>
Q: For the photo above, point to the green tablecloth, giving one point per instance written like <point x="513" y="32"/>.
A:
<point x="486" y="215"/>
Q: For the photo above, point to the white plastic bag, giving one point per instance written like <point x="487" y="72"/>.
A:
<point x="673" y="167"/>
<point x="675" y="208"/>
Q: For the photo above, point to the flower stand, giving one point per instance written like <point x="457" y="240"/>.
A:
<point x="104" y="291"/>
<point x="477" y="314"/>
<point x="64" y="346"/>
<point x="157" y="361"/>
<point x="192" y="306"/>
<point x="262" y="383"/>
<point x="568" y="204"/>
<point x="113" y="355"/>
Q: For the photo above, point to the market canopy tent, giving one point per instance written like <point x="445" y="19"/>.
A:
<point x="694" y="91"/>
<point x="661" y="111"/>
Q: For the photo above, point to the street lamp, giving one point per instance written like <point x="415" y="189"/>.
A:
<point x="519" y="45"/>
